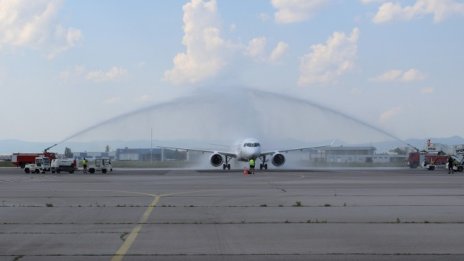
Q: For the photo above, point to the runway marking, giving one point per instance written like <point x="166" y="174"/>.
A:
<point x="122" y="251"/>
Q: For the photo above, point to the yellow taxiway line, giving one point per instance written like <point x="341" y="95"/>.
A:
<point x="122" y="251"/>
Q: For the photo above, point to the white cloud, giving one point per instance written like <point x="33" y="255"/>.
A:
<point x="291" y="11"/>
<point x="389" y="114"/>
<point x="205" y="48"/>
<point x="439" y="9"/>
<point x="410" y="75"/>
<point x="278" y="51"/>
<point x="366" y="2"/>
<point x="68" y="38"/>
<point x="326" y="62"/>
<point x="115" y="73"/>
<point x="207" y="53"/>
<point x="257" y="47"/>
<point x="26" y="23"/>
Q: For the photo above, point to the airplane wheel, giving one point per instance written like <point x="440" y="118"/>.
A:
<point x="265" y="166"/>
<point x="228" y="166"/>
<point x="223" y="166"/>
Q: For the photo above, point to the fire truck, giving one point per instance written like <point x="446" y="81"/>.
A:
<point x="432" y="157"/>
<point x="427" y="160"/>
<point x="22" y="159"/>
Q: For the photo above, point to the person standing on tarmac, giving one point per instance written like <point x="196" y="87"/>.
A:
<point x="450" y="165"/>
<point x="84" y="165"/>
<point x="252" y="166"/>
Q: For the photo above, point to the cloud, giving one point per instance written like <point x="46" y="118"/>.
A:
<point x="389" y="114"/>
<point x="278" y="51"/>
<point x="207" y="53"/>
<point x="31" y="24"/>
<point x="256" y="49"/>
<point x="439" y="9"/>
<point x="114" y="73"/>
<point x="291" y="11"/>
<point x="204" y="56"/>
<point x="68" y="38"/>
<point x="366" y="2"/>
<point x="326" y="62"/>
<point x="411" y="75"/>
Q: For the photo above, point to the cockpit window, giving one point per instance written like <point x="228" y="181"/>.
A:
<point x="256" y="144"/>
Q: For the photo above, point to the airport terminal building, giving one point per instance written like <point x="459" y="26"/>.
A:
<point x="353" y="154"/>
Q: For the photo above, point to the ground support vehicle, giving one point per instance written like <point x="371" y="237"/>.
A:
<point x="59" y="165"/>
<point x="22" y="159"/>
<point x="103" y="165"/>
<point x="41" y="165"/>
<point x="458" y="163"/>
<point x="427" y="160"/>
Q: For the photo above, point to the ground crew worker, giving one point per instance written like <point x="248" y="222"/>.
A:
<point x="450" y="165"/>
<point x="84" y="165"/>
<point x="252" y="166"/>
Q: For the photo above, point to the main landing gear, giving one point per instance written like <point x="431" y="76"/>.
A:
<point x="226" y="165"/>
<point x="264" y="164"/>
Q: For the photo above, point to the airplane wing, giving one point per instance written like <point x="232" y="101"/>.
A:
<point x="225" y="153"/>
<point x="265" y="153"/>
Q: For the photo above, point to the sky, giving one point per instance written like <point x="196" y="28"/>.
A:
<point x="68" y="65"/>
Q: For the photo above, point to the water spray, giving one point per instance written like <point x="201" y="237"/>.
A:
<point x="246" y="103"/>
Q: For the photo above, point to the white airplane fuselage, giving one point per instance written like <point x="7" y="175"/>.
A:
<point x="249" y="148"/>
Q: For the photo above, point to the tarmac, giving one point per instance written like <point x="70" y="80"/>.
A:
<point x="319" y="214"/>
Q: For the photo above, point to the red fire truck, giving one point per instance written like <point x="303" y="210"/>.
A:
<point x="21" y="159"/>
<point x="433" y="156"/>
<point x="426" y="160"/>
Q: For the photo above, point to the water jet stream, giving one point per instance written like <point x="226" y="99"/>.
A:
<point x="217" y="115"/>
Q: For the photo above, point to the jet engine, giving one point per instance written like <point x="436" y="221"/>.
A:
<point x="216" y="159"/>
<point x="278" y="159"/>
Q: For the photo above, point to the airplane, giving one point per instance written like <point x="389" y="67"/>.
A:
<point x="249" y="148"/>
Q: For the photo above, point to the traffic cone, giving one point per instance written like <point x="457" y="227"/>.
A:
<point x="245" y="171"/>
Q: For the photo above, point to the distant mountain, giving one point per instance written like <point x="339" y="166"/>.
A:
<point x="8" y="147"/>
<point x="11" y="146"/>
